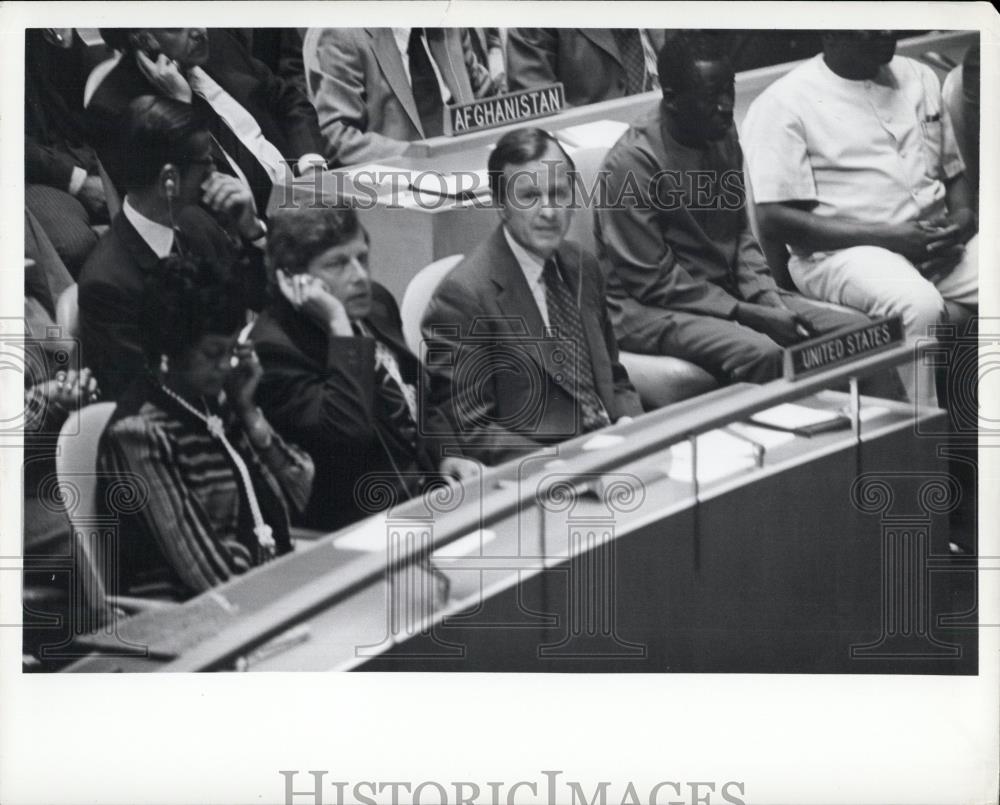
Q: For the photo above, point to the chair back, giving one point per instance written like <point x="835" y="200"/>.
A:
<point x="76" y="468"/>
<point x="418" y="296"/>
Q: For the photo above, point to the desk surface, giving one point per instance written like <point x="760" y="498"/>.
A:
<point x="375" y="606"/>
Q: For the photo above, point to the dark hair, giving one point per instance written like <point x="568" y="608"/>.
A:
<point x="119" y="38"/>
<point x="184" y="299"/>
<point x="155" y="131"/>
<point x="297" y="235"/>
<point x="519" y="147"/>
<point x="681" y="49"/>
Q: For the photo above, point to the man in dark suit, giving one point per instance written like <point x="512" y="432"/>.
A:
<point x="171" y="172"/>
<point x="378" y="89"/>
<point x="63" y="188"/>
<point x="264" y="127"/>
<point x="338" y="378"/>
<point x="523" y="351"/>
<point x="593" y="64"/>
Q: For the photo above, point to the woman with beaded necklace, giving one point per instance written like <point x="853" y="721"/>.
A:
<point x="211" y="485"/>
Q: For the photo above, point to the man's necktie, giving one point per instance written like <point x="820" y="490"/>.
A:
<point x="565" y="317"/>
<point x="426" y="90"/>
<point x="633" y="59"/>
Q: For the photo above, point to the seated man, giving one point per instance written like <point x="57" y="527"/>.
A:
<point x="63" y="188"/>
<point x="520" y="349"/>
<point x="593" y="64"/>
<point x="378" y="89"/>
<point x="685" y="275"/>
<point x="853" y="163"/>
<point x="170" y="171"/>
<point x="338" y="378"/>
<point x="261" y="124"/>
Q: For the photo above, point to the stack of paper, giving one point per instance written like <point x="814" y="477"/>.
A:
<point x="720" y="454"/>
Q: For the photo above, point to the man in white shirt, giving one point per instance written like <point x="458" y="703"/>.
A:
<point x="378" y="89"/>
<point x="853" y="164"/>
<point x="520" y="348"/>
<point x="174" y="199"/>
<point x="265" y="129"/>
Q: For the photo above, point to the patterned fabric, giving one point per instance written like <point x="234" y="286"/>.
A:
<point x="195" y="520"/>
<point x="564" y="316"/>
<point x="633" y="59"/>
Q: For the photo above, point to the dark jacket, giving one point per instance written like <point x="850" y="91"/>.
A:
<point x="494" y="374"/>
<point x="586" y="60"/>
<point x="111" y="288"/>
<point x="321" y="393"/>
<point x="284" y="114"/>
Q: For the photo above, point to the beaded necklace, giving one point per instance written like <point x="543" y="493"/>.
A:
<point x="215" y="427"/>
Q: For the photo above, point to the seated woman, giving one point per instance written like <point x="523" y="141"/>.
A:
<point x="210" y="484"/>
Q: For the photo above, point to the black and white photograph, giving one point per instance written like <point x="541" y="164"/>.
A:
<point x="621" y="394"/>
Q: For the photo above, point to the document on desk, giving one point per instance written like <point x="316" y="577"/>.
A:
<point x="801" y="419"/>
<point x="598" y="134"/>
<point x="462" y="184"/>
<point x="720" y="455"/>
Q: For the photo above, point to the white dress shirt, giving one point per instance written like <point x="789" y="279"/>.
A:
<point x="532" y="266"/>
<point x="402" y="39"/>
<point x="158" y="237"/>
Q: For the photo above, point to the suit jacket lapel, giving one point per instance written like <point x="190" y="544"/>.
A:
<point x="391" y="63"/>
<point x="514" y="298"/>
<point x="449" y="57"/>
<point x="604" y="39"/>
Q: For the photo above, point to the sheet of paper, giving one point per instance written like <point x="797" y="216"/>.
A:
<point x="602" y="441"/>
<point x="719" y="455"/>
<point x="596" y="134"/>
<point x="369" y="535"/>
<point x="763" y="436"/>
<point x="375" y="175"/>
<point x="790" y="416"/>
<point x="451" y="185"/>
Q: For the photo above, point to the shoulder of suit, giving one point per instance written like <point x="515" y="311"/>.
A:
<point x="109" y="257"/>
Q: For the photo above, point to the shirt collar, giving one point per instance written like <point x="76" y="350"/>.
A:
<point x="531" y="264"/>
<point x="158" y="237"/>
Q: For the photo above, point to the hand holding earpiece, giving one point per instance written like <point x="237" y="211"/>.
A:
<point x="165" y="75"/>
<point x="310" y="295"/>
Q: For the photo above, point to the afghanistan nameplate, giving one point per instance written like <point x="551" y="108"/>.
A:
<point x="501" y="110"/>
<point x="842" y="347"/>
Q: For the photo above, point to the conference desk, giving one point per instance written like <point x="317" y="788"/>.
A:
<point x="410" y="231"/>
<point x="820" y="554"/>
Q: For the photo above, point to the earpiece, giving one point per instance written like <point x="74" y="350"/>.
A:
<point x="170" y="186"/>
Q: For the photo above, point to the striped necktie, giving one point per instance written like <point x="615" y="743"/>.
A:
<point x="564" y="315"/>
<point x="633" y="59"/>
